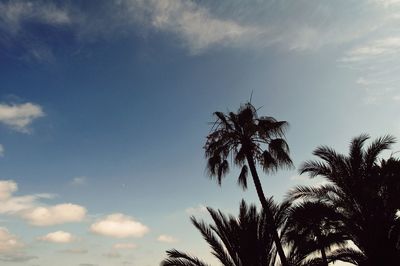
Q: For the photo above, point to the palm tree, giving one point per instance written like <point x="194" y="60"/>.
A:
<point x="365" y="190"/>
<point x="249" y="140"/>
<point x="313" y="226"/>
<point x="242" y="241"/>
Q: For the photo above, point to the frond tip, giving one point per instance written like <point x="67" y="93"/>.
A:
<point x="242" y="179"/>
<point x="177" y="258"/>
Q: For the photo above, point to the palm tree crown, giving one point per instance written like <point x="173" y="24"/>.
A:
<point x="364" y="189"/>
<point x="242" y="135"/>
<point x="241" y="241"/>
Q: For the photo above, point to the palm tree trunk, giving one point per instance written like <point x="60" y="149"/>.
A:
<point x="264" y="204"/>
<point x="323" y="255"/>
<point x="321" y="243"/>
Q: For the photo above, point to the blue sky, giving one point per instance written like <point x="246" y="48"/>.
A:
<point x="104" y="111"/>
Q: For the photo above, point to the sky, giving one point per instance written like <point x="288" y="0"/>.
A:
<point x="105" y="106"/>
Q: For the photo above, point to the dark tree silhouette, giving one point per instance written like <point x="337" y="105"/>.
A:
<point x="250" y="140"/>
<point x="365" y="190"/>
<point x="314" y="227"/>
<point x="242" y="241"/>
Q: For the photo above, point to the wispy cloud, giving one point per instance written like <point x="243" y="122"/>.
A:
<point x="112" y="254"/>
<point x="387" y="3"/>
<point x="296" y="26"/>
<point x="194" y="24"/>
<point x="79" y="181"/>
<point x="373" y="50"/>
<point x="124" y="246"/>
<point x="374" y="57"/>
<point x="9" y="242"/>
<point x="199" y="26"/>
<point x="199" y="209"/>
<point x="11" y="248"/>
<point x="15" y="13"/>
<point x="75" y="251"/>
<point x="2" y="150"/>
<point x="15" y="19"/>
<point x="17" y="258"/>
<point x="167" y="239"/>
<point x="377" y="64"/>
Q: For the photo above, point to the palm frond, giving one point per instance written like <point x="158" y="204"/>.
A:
<point x="376" y="147"/>
<point x="178" y="258"/>
<point x="279" y="149"/>
<point x="349" y="255"/>
<point x="217" y="247"/>
<point x="242" y="179"/>
<point x="315" y="168"/>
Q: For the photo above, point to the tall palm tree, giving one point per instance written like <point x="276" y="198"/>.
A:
<point x="249" y="140"/>
<point x="242" y="241"/>
<point x="364" y="189"/>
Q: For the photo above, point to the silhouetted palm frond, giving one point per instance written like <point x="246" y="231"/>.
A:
<point x="235" y="241"/>
<point x="364" y="190"/>
<point x="177" y="258"/>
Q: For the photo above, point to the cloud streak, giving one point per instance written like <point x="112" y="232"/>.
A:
<point x="199" y="26"/>
<point x="124" y="246"/>
<point x="15" y="13"/>
<point x="167" y="239"/>
<point x="196" y="25"/>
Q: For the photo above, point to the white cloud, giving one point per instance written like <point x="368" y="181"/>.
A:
<point x="119" y="225"/>
<point x="200" y="209"/>
<point x="167" y="239"/>
<point x="20" y="116"/>
<point x="7" y="187"/>
<point x="29" y="207"/>
<point x="1" y="150"/>
<point x="8" y="241"/>
<point x="58" y="214"/>
<point x="59" y="237"/>
<point x="79" y="180"/>
<point x="124" y="246"/>
<point x="14" y="205"/>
